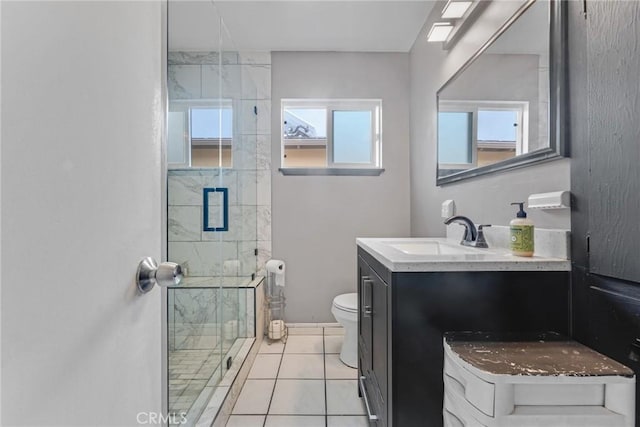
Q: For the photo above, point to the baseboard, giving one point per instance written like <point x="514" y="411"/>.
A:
<point x="314" y="325"/>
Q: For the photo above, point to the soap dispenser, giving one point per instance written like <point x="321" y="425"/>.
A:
<point x="521" y="233"/>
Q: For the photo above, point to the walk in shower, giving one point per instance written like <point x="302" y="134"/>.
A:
<point x="212" y="209"/>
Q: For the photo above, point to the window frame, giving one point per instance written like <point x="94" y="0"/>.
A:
<point x="185" y="107"/>
<point x="473" y="107"/>
<point x="374" y="106"/>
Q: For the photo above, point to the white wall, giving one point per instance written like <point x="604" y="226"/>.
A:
<point x="485" y="199"/>
<point x="81" y="205"/>
<point x="316" y="219"/>
<point x="500" y="77"/>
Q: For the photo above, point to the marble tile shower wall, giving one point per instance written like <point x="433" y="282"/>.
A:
<point x="212" y="253"/>
<point x="198" y="322"/>
<point x="245" y="78"/>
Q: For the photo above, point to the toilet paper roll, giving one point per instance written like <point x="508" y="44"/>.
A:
<point x="276" y="267"/>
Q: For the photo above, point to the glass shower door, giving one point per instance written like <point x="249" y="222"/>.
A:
<point x="240" y="242"/>
<point x="199" y="131"/>
<point x="212" y="209"/>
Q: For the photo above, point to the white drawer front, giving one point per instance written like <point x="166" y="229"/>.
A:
<point x="455" y="415"/>
<point x="559" y="394"/>
<point x="458" y="381"/>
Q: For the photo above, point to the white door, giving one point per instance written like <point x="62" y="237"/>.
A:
<point x="82" y="124"/>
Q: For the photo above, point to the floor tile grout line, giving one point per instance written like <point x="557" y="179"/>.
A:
<point x="324" y="362"/>
<point x="273" y="391"/>
<point x="262" y="379"/>
<point x="280" y="366"/>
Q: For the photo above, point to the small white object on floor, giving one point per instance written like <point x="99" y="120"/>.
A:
<point x="277" y="330"/>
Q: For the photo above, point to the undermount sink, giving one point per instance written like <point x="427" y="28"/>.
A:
<point x="430" y="248"/>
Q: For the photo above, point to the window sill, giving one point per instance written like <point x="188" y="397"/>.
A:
<point x="332" y="171"/>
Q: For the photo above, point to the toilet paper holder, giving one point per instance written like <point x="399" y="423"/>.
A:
<point x="150" y="273"/>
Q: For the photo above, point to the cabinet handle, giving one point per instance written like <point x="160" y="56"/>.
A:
<point x="363" y="280"/>
<point x="372" y="417"/>
<point x="367" y="310"/>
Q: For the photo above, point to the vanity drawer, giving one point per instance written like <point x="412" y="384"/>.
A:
<point x="370" y="394"/>
<point x="455" y="414"/>
<point x="464" y="385"/>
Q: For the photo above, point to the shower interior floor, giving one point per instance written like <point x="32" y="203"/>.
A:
<point x="190" y="371"/>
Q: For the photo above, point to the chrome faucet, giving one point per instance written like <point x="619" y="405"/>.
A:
<point x="472" y="237"/>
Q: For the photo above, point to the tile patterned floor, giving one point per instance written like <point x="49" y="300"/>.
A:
<point x="190" y="371"/>
<point x="300" y="384"/>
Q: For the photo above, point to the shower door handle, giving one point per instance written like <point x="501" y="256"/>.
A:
<point x="150" y="273"/>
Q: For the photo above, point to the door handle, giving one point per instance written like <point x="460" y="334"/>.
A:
<point x="150" y="273"/>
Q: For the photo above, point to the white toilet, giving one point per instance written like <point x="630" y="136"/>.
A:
<point x="345" y="310"/>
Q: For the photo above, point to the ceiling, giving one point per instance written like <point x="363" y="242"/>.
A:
<point x="298" y="25"/>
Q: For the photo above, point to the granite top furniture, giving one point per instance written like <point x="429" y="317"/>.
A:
<point x="538" y="358"/>
<point x="534" y="380"/>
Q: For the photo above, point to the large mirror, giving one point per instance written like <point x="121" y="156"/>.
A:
<point x="502" y="109"/>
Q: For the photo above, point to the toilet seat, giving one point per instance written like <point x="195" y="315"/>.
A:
<point x="346" y="302"/>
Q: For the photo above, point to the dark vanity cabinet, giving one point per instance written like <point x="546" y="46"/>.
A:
<point x="403" y="316"/>
<point x="373" y="339"/>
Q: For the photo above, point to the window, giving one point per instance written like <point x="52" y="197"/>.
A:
<point x="478" y="133"/>
<point x="331" y="134"/>
<point x="499" y="129"/>
<point x="200" y="133"/>
<point x="455" y="137"/>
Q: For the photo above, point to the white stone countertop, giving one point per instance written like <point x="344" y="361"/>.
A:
<point x="452" y="256"/>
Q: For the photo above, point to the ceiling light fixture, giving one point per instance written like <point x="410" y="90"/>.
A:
<point x="439" y="32"/>
<point x="455" y="9"/>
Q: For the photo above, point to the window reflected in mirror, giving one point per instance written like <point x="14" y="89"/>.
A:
<point x="479" y="133"/>
<point x="497" y="107"/>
